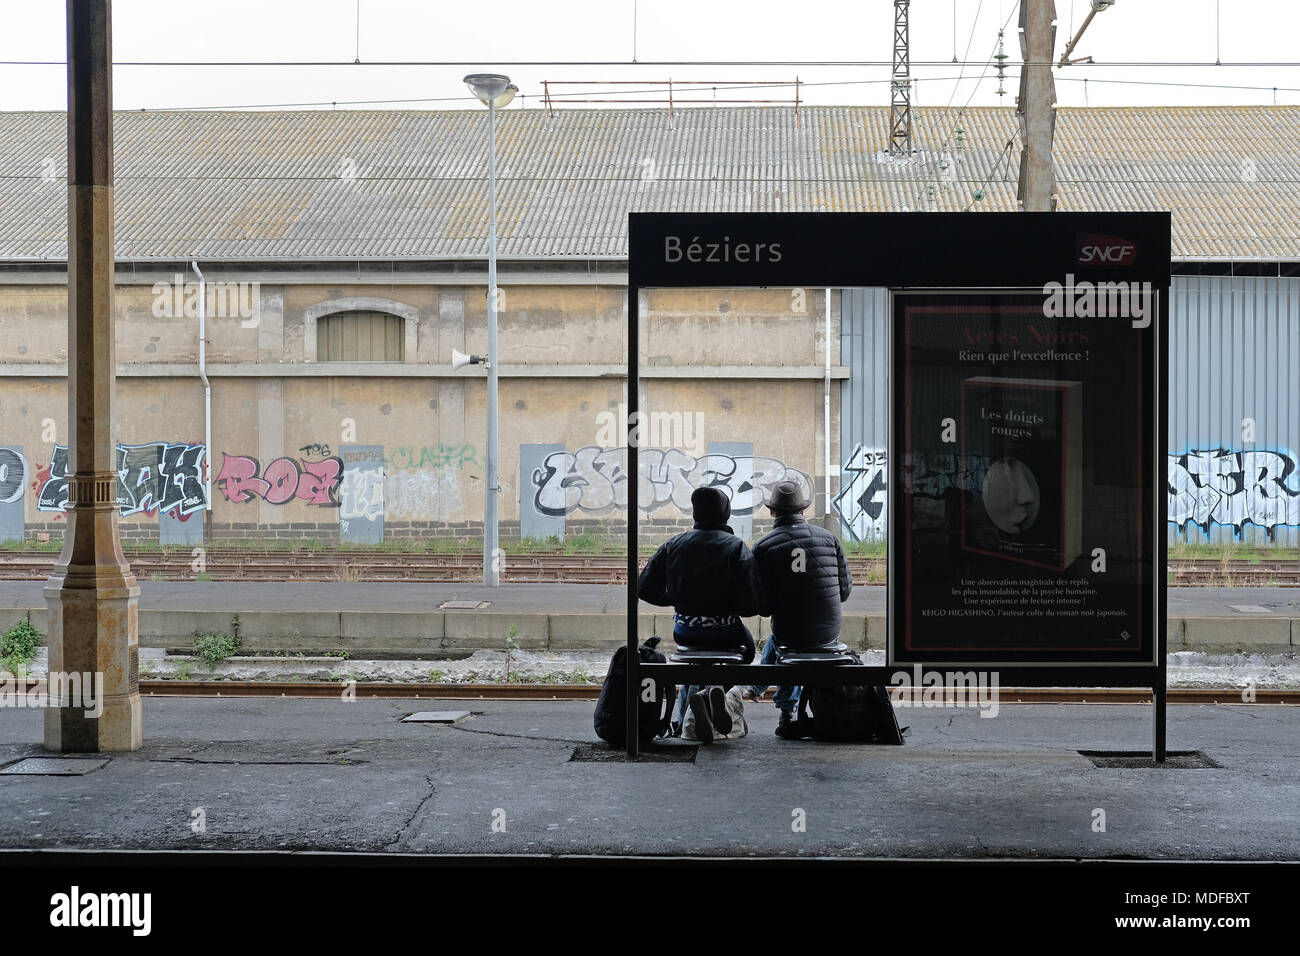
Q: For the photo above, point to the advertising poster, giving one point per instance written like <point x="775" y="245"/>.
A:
<point x="1023" y="469"/>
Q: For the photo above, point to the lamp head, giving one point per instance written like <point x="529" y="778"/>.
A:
<point x="491" y="88"/>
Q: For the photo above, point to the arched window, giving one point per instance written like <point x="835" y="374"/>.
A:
<point x="360" y="336"/>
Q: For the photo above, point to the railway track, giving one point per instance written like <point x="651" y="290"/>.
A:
<point x="394" y="691"/>
<point x="608" y="568"/>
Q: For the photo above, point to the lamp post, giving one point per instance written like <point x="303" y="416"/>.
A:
<point x="493" y="90"/>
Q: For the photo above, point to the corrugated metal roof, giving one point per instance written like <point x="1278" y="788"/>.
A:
<point x="412" y="184"/>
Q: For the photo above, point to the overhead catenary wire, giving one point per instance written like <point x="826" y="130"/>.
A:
<point x="775" y="84"/>
<point x="186" y="64"/>
<point x="1173" y="84"/>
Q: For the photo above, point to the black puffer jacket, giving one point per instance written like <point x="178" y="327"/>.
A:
<point x="703" y="571"/>
<point x="804" y="605"/>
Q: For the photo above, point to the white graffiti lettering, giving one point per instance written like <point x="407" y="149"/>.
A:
<point x="13" y="474"/>
<point x="157" y="476"/>
<point x="361" y="493"/>
<point x="594" y="480"/>
<point x="434" y="493"/>
<point x="1218" y="486"/>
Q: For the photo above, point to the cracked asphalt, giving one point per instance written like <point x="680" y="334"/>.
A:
<point x="324" y="775"/>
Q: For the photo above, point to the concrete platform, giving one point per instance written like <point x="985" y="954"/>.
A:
<point x="394" y="620"/>
<point x="272" y="774"/>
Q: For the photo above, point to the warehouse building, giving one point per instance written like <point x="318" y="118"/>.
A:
<point x="308" y="391"/>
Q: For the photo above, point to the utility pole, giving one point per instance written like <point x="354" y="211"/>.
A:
<point x="1036" y="106"/>
<point x="900" y="86"/>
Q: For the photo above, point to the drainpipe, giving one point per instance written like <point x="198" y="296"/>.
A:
<point x="826" y="441"/>
<point x="207" y="386"/>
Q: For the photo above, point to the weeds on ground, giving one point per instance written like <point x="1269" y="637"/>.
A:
<point x="1227" y="552"/>
<point x="534" y="545"/>
<point x="511" y="647"/>
<point x="22" y="544"/>
<point x="18" y="646"/>
<point x="582" y="544"/>
<point x="213" y="647"/>
<point x="878" y="548"/>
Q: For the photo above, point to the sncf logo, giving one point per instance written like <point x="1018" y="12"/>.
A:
<point x="1098" y="250"/>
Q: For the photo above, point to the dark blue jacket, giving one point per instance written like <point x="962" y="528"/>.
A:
<point x="804" y="604"/>
<point x="706" y="571"/>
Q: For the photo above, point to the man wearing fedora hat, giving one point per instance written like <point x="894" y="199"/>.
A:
<point x="707" y="576"/>
<point x="804" y="578"/>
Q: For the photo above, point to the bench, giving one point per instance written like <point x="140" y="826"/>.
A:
<point x="821" y="668"/>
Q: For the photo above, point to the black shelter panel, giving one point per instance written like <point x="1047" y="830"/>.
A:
<point x="896" y="250"/>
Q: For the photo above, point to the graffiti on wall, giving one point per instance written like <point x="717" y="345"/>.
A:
<point x="153" y="477"/>
<point x="594" y="480"/>
<point x="361" y="492"/>
<point x="168" y="477"/>
<point x="431" y="456"/>
<point x="862" y="498"/>
<point x="13" y="474"/>
<point x="1234" y="489"/>
<point x="434" y="493"/>
<point x="1206" y="487"/>
<point x="242" y="479"/>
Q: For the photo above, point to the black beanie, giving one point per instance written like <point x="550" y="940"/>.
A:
<point x="710" y="507"/>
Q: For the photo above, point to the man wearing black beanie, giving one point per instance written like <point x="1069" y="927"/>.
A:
<point x="707" y="575"/>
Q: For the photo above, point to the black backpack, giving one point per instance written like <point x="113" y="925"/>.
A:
<point x="848" y="714"/>
<point x="655" y="716"/>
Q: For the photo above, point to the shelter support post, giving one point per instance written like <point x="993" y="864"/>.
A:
<point x="633" y="438"/>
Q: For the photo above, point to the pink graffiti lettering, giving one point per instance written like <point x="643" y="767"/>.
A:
<point x="319" y="480"/>
<point x="238" y="480"/>
<point x="315" y="482"/>
<point x="282" y="474"/>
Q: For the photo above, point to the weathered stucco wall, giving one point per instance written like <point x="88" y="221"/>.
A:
<point x="279" y="419"/>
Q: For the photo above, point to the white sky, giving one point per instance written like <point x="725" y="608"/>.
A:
<point x="492" y="32"/>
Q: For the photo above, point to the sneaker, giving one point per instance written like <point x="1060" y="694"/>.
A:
<point x="699" y="704"/>
<point x="718" y="710"/>
<point x="786" y="727"/>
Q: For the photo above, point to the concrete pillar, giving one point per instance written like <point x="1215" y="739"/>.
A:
<point x="92" y="594"/>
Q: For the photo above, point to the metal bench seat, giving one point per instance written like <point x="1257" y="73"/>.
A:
<point x="687" y="655"/>
<point x="831" y="654"/>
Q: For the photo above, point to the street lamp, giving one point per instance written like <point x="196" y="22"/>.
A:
<point x="494" y="91"/>
<point x="1097" y="7"/>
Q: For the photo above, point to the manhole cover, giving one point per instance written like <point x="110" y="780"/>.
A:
<point x="462" y="605"/>
<point x="436" y="717"/>
<point x="56" y="766"/>
<point x="1176" y="759"/>
<point x="604" y="753"/>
